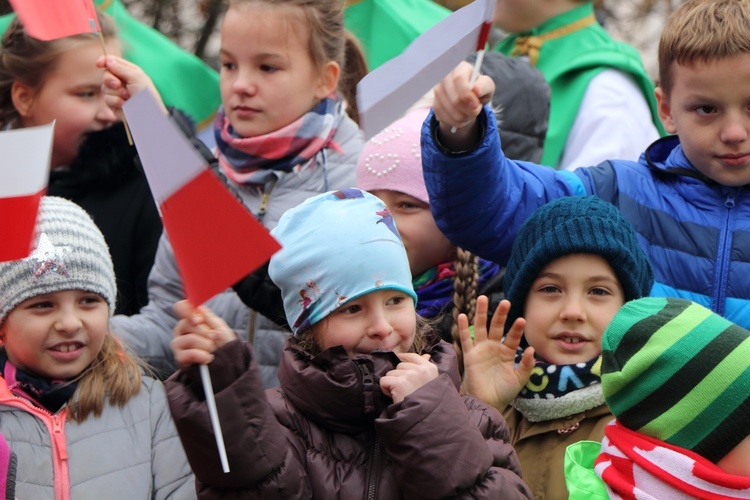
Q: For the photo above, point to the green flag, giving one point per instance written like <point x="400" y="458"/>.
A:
<point x="183" y="79"/>
<point x="387" y="27"/>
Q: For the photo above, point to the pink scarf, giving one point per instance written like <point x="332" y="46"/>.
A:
<point x="244" y="159"/>
<point x="636" y="466"/>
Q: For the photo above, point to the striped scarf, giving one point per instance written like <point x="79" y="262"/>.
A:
<point x="636" y="466"/>
<point x="245" y="159"/>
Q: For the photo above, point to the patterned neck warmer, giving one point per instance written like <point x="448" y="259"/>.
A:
<point x="434" y="287"/>
<point x="558" y="391"/>
<point x="289" y="148"/>
<point x="634" y="465"/>
<point x="51" y="395"/>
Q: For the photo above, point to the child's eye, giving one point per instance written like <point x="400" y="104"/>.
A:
<point x="396" y="300"/>
<point x="228" y="65"/>
<point x="352" y="309"/>
<point x="405" y="205"/>
<point x="267" y="68"/>
<point x="549" y="289"/>
<point x="45" y="304"/>
<point x="600" y="291"/>
<point x="705" y="110"/>
<point x="91" y="299"/>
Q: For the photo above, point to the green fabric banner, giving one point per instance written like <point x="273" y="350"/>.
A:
<point x="387" y="27"/>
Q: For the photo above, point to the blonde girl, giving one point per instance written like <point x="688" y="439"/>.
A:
<point x="77" y="411"/>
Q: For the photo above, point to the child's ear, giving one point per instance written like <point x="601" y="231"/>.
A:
<point x="22" y="95"/>
<point x="665" y="110"/>
<point x="329" y="80"/>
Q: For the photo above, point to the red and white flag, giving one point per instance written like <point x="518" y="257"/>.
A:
<point x="387" y="92"/>
<point x="51" y="19"/>
<point x="24" y="174"/>
<point x="216" y="240"/>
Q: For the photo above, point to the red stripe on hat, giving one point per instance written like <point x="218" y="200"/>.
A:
<point x="17" y="220"/>
<point x="216" y="240"/>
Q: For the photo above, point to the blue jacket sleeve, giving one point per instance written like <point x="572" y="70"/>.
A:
<point x="480" y="198"/>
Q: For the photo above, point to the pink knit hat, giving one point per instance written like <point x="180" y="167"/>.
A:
<point x="392" y="160"/>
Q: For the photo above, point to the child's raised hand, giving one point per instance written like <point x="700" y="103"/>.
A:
<point x="489" y="363"/>
<point x="457" y="104"/>
<point x="123" y="79"/>
<point x="412" y="372"/>
<point x="198" y="334"/>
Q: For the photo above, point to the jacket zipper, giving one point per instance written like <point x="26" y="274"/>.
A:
<point x="55" y="424"/>
<point x="373" y="476"/>
<point x="722" y="262"/>
<point x="373" y="473"/>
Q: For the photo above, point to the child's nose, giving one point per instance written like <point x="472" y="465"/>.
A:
<point x="378" y="326"/>
<point x="573" y="310"/>
<point x="735" y="130"/>
<point x="68" y="321"/>
<point x="105" y="113"/>
<point x="245" y="83"/>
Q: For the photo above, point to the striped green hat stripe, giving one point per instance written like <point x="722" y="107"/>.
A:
<point x="680" y="369"/>
<point x="674" y="317"/>
<point x="734" y="365"/>
<point x="616" y="331"/>
<point x="703" y="435"/>
<point x="732" y="429"/>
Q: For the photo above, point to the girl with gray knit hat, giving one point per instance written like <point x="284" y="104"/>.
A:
<point x="77" y="411"/>
<point x="574" y="263"/>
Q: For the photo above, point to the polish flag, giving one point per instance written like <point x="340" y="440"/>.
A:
<point x="26" y="155"/>
<point x="51" y="19"/>
<point x="216" y="240"/>
<point x="386" y="92"/>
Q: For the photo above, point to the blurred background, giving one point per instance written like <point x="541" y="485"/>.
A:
<point x="193" y="24"/>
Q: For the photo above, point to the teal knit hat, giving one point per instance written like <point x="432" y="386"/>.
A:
<point x="569" y="225"/>
<point x="675" y="371"/>
<point x="336" y="246"/>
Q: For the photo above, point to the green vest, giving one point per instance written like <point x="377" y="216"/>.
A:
<point x="570" y="62"/>
<point x="183" y="80"/>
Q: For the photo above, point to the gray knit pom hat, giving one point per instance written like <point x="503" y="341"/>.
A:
<point x="69" y="254"/>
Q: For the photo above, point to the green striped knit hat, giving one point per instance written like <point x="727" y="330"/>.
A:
<point x="675" y="371"/>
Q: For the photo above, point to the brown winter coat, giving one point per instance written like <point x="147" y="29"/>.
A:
<point x="329" y="432"/>
<point x="541" y="446"/>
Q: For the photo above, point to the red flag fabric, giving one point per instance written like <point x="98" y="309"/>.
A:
<point x="24" y="173"/>
<point x="385" y="93"/>
<point x="51" y="19"/>
<point x="216" y="240"/>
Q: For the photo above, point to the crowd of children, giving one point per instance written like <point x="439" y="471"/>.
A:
<point x="446" y="318"/>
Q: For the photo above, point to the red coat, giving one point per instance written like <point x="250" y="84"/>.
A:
<point x="329" y="432"/>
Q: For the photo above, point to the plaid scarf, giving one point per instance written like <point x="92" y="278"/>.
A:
<point x="636" y="466"/>
<point x="558" y="391"/>
<point x="286" y="149"/>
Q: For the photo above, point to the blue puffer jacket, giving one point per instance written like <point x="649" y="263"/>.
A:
<point x="695" y="232"/>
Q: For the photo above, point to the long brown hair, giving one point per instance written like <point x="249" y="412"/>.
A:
<point x="114" y="374"/>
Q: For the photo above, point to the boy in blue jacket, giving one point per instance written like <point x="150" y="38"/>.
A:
<point x="686" y="196"/>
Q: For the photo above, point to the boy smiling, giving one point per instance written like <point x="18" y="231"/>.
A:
<point x="686" y="196"/>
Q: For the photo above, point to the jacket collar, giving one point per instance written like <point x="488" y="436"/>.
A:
<point x="343" y="394"/>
